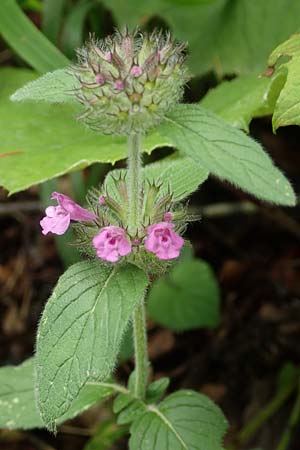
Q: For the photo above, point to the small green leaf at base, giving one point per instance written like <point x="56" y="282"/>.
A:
<point x="17" y="399"/>
<point x="227" y="153"/>
<point x="185" y="420"/>
<point x="81" y="330"/>
<point x="188" y="297"/>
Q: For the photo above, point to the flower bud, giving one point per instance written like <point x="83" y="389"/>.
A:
<point x="129" y="81"/>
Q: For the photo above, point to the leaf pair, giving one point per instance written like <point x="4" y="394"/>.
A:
<point x="210" y="143"/>
<point x="184" y="420"/>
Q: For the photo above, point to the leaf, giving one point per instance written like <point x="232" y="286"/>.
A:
<point x="81" y="331"/>
<point x="17" y="399"/>
<point x="179" y="172"/>
<point x="157" y="389"/>
<point x="53" y="87"/>
<point x="287" y="107"/>
<point x="40" y="142"/>
<point x="240" y="100"/>
<point x="107" y="434"/>
<point x="186" y="298"/>
<point x="223" y="35"/>
<point x="185" y="420"/>
<point x="27" y="40"/>
<point x="226" y="152"/>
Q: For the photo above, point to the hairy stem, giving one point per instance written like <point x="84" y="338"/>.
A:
<point x="134" y="182"/>
<point x="139" y="319"/>
<point x="141" y="351"/>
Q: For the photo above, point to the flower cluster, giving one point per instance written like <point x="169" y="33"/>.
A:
<point x="128" y="81"/>
<point x="112" y="241"/>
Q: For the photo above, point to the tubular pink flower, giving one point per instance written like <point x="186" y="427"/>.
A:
<point x="58" y="218"/>
<point x="111" y="243"/>
<point x="163" y="241"/>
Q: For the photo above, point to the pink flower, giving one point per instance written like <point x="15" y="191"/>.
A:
<point x="58" y="218"/>
<point x="163" y="241"/>
<point x="111" y="243"/>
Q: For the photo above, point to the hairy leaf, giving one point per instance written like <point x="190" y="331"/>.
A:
<point x="17" y="399"/>
<point x="81" y="331"/>
<point x="187" y="297"/>
<point x="53" y="87"/>
<point x="185" y="420"/>
<point x="226" y="152"/>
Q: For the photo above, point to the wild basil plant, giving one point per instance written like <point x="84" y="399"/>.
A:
<point x="130" y="232"/>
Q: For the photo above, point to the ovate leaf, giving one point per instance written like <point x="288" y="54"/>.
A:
<point x="187" y="297"/>
<point x="287" y="108"/>
<point x="227" y="153"/>
<point x="17" y="398"/>
<point x="81" y="331"/>
<point x="53" y="87"/>
<point x="185" y="420"/>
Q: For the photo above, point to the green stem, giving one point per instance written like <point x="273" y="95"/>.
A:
<point x="292" y="422"/>
<point x="139" y="317"/>
<point x="134" y="182"/>
<point x="141" y="351"/>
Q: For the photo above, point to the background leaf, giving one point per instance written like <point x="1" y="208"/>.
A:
<point x="106" y="435"/>
<point x="187" y="297"/>
<point x="240" y="100"/>
<point x="17" y="398"/>
<point x="27" y="41"/>
<point x="48" y="141"/>
<point x="185" y="420"/>
<point x="224" y="35"/>
<point x="52" y="18"/>
<point x="81" y="330"/>
<point x="226" y="152"/>
<point x="287" y="107"/>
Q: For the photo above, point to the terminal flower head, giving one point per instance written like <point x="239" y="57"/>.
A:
<point x="128" y="81"/>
